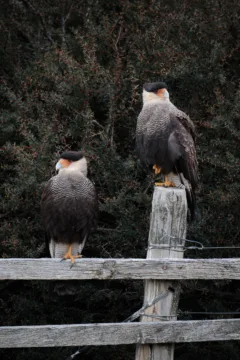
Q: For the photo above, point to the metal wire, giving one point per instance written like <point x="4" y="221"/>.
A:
<point x="180" y="313"/>
<point x="134" y="316"/>
<point x="144" y="307"/>
<point x="160" y="317"/>
<point x="174" y="245"/>
<point x="210" y="312"/>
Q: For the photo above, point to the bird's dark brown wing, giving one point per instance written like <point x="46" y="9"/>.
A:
<point x="185" y="120"/>
<point x="183" y="152"/>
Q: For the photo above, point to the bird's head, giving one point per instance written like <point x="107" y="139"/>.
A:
<point x="155" y="91"/>
<point x="72" y="161"/>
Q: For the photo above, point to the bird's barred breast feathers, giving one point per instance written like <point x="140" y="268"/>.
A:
<point x="69" y="207"/>
<point x="152" y="127"/>
<point x="73" y="185"/>
<point x="153" y="117"/>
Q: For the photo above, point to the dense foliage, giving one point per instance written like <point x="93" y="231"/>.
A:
<point x="71" y="78"/>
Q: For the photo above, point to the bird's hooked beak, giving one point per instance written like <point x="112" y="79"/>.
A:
<point x="166" y="94"/>
<point x="62" y="164"/>
<point x="58" y="166"/>
<point x="163" y="94"/>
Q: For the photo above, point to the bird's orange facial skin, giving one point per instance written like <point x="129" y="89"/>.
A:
<point x="160" y="92"/>
<point x="65" y="163"/>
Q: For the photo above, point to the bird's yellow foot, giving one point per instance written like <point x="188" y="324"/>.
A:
<point x="69" y="255"/>
<point x="157" y="169"/>
<point x="165" y="184"/>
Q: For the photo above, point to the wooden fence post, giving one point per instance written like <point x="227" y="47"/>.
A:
<point x="168" y="227"/>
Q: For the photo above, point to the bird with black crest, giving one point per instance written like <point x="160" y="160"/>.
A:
<point x="69" y="207"/>
<point x="165" y="142"/>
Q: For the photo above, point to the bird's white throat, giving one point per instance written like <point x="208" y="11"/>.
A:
<point x="77" y="166"/>
<point x="150" y="96"/>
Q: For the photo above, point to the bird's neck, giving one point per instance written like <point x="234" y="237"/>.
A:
<point x="79" y="166"/>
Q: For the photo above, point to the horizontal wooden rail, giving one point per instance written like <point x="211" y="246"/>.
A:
<point x="83" y="269"/>
<point x="119" y="333"/>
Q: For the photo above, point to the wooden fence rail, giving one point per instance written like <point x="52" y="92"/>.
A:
<point x="163" y="266"/>
<point x="119" y="333"/>
<point x="139" y="269"/>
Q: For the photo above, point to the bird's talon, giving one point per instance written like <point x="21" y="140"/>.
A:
<point x="157" y="169"/>
<point x="71" y="257"/>
<point x="165" y="184"/>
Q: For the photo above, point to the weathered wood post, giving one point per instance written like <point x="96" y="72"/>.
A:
<point x="168" y="227"/>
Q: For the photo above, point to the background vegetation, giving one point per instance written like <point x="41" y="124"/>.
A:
<point x="71" y="77"/>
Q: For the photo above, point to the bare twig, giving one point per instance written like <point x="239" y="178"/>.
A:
<point x="42" y="19"/>
<point x="97" y="123"/>
<point x="110" y="230"/>
<point x="63" y="33"/>
<point x="118" y="37"/>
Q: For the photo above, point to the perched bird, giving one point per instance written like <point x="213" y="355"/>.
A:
<point x="165" y="141"/>
<point x="69" y="207"/>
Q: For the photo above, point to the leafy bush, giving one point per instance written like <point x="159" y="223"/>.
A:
<point x="71" y="78"/>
